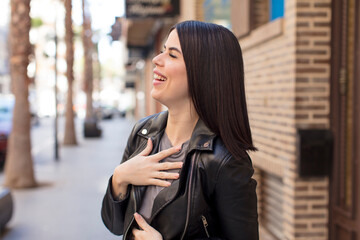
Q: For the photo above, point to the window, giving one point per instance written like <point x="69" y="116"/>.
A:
<point x="217" y="11"/>
<point x="276" y="9"/>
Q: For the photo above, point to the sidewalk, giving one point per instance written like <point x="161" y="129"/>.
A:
<point x="68" y="202"/>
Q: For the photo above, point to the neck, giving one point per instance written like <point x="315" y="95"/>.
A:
<point x="180" y="125"/>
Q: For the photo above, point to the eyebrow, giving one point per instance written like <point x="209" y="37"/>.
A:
<point x="173" y="48"/>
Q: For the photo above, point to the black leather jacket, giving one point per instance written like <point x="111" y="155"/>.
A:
<point x="214" y="196"/>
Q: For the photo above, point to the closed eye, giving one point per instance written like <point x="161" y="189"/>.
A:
<point x="171" y="49"/>
<point x="170" y="54"/>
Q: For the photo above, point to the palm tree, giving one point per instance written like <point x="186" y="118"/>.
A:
<point x="19" y="172"/>
<point x="88" y="64"/>
<point x="70" y="134"/>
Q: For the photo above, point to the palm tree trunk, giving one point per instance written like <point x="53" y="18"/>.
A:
<point x="88" y="61"/>
<point x="70" y="134"/>
<point x="19" y="172"/>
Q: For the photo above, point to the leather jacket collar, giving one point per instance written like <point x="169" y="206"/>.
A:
<point x="209" y="172"/>
<point x="202" y="137"/>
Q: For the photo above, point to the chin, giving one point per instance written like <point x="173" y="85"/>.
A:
<point x="156" y="97"/>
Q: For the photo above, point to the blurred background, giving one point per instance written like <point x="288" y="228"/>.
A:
<point x="76" y="75"/>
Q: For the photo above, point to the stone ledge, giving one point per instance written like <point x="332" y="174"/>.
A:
<point x="262" y="34"/>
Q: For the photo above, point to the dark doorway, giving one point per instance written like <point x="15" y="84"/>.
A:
<point x="344" y="206"/>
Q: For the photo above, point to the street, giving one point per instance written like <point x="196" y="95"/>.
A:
<point x="67" y="203"/>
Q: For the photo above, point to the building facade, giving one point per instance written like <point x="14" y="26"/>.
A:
<point x="287" y="70"/>
<point x="302" y="63"/>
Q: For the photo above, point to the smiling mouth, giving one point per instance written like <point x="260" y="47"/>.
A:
<point x="158" y="77"/>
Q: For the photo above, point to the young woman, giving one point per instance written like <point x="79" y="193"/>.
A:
<point x="185" y="173"/>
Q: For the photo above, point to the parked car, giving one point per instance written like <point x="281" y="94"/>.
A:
<point x="107" y="112"/>
<point x="6" y="207"/>
<point x="6" y="112"/>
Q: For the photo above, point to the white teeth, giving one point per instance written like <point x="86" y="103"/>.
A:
<point x="159" y="77"/>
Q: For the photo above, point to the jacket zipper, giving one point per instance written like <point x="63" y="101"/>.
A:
<point x="189" y="197"/>
<point x="205" y="223"/>
<point x="134" y="195"/>
<point x="132" y="217"/>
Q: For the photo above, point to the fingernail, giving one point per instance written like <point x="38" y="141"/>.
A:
<point x="178" y="147"/>
<point x="136" y="215"/>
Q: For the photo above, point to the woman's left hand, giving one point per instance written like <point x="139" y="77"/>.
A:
<point x="147" y="232"/>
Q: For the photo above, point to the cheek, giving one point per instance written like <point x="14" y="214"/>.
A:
<point x="182" y="87"/>
<point x="185" y="81"/>
<point x="182" y="75"/>
<point x="181" y="79"/>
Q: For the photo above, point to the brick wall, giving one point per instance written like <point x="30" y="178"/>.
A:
<point x="287" y="84"/>
<point x="313" y="63"/>
<point x="312" y="106"/>
<point x="272" y="203"/>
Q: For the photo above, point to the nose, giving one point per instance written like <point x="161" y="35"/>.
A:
<point x="157" y="60"/>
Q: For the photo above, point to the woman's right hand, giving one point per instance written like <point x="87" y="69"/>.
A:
<point x="145" y="170"/>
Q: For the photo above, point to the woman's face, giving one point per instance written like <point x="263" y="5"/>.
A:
<point x="170" y="86"/>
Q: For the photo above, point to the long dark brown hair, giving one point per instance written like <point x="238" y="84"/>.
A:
<point x="215" y="72"/>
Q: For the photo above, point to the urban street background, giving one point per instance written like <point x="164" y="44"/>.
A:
<point x="302" y="75"/>
<point x="67" y="204"/>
